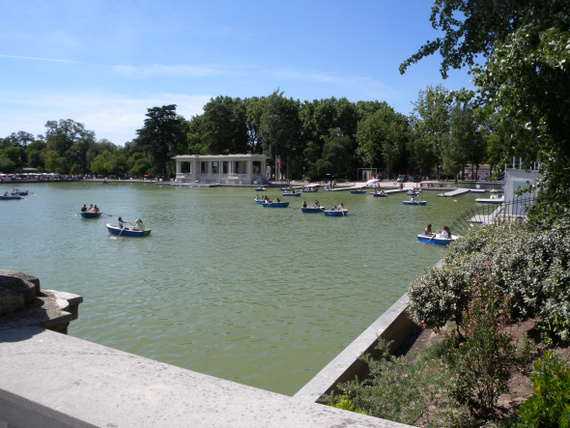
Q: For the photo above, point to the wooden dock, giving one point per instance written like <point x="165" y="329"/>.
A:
<point x="456" y="192"/>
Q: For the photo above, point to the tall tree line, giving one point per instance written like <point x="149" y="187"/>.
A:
<point x="317" y="139"/>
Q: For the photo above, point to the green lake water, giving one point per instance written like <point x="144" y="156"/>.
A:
<point x="261" y="296"/>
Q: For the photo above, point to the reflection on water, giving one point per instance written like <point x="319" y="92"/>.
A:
<point x="223" y="286"/>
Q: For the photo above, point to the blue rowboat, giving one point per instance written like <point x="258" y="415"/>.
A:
<point x="358" y="192"/>
<point x="477" y="191"/>
<point x="114" y="229"/>
<point x="415" y="202"/>
<point x="275" y="204"/>
<point x="9" y="197"/>
<point x="88" y="214"/>
<point x="20" y="193"/>
<point x="259" y="201"/>
<point x="313" y="209"/>
<point x="332" y="213"/>
<point x="436" y="239"/>
<point x="260" y="189"/>
<point x="411" y="193"/>
<point x="314" y="190"/>
<point x="379" y="195"/>
<point x="291" y="194"/>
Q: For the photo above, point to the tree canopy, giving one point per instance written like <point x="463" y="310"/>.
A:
<point x="519" y="54"/>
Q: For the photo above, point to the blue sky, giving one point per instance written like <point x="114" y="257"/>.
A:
<point x="104" y="63"/>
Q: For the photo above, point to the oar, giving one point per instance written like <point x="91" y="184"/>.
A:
<point x="110" y="215"/>
<point x="433" y="236"/>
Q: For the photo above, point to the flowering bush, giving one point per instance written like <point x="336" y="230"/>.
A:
<point x="527" y="264"/>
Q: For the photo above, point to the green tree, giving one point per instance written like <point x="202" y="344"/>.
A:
<point x="431" y="119"/>
<point x="338" y="156"/>
<point x="162" y="134"/>
<point x="224" y="128"/>
<point x="55" y="163"/>
<point x="138" y="164"/>
<point x="254" y="108"/>
<point x="280" y="127"/>
<point x="19" y="139"/>
<point x="518" y="51"/>
<point x="318" y="119"/>
<point x="381" y="138"/>
<point x="457" y="148"/>
<point x="71" y="141"/>
<point x="35" y="153"/>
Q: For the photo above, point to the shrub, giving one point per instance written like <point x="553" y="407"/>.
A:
<point x="549" y="406"/>
<point x="401" y="391"/>
<point x="527" y="264"/>
<point x="481" y="364"/>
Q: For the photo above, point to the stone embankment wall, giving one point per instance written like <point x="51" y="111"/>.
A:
<point x="48" y="379"/>
<point x="24" y="303"/>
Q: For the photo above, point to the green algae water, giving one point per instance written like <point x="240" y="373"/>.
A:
<point x="261" y="296"/>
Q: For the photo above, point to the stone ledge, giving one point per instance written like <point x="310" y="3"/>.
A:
<point x="24" y="303"/>
<point x="55" y="380"/>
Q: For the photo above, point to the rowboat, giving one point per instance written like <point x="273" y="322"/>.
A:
<point x="379" y="194"/>
<point x="259" y="201"/>
<point x="312" y="209"/>
<point x="436" y="239"/>
<point x="313" y="190"/>
<point x="335" y="213"/>
<point x="477" y="191"/>
<point x="358" y="192"/>
<point x="291" y="194"/>
<point x="275" y="204"/>
<point x="415" y="202"/>
<point x="9" y="197"/>
<point x="18" y="193"/>
<point x="87" y="214"/>
<point x="411" y="193"/>
<point x="260" y="189"/>
<point x="494" y="199"/>
<point x="114" y="229"/>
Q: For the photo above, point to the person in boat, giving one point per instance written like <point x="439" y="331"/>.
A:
<point x="304" y="204"/>
<point x="90" y="209"/>
<point x="317" y="203"/>
<point x="445" y="233"/>
<point x="412" y="199"/>
<point x="84" y="208"/>
<point x="121" y="223"/>
<point x="428" y="231"/>
<point x="278" y="200"/>
<point x="139" y="226"/>
<point x="340" y="207"/>
<point x="95" y="209"/>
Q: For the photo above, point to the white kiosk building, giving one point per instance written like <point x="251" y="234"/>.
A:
<point x="221" y="169"/>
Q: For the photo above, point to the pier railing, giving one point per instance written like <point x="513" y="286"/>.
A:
<point x="515" y="210"/>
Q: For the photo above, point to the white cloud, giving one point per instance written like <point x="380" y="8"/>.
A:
<point x="167" y="70"/>
<point x="115" y="118"/>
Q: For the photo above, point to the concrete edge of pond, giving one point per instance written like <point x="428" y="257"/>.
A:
<point x="393" y="325"/>
<point x="51" y="380"/>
